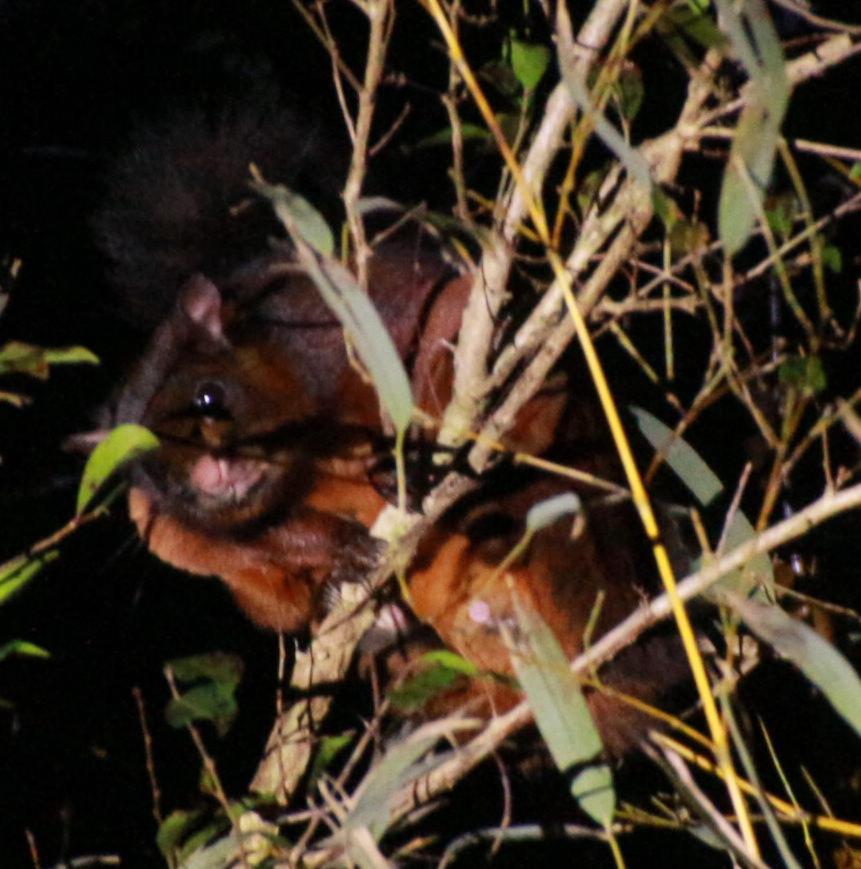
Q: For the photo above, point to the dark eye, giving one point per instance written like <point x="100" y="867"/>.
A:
<point x="210" y="399"/>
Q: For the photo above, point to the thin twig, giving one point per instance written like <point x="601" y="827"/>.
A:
<point x="211" y="771"/>
<point x="155" y="790"/>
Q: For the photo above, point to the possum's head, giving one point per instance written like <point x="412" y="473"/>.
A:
<point x="179" y="203"/>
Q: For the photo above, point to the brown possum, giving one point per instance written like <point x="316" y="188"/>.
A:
<point x="268" y="474"/>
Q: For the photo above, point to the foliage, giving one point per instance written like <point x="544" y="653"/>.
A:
<point x="724" y="293"/>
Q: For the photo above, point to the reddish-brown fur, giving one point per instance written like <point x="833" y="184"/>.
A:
<point x="269" y="472"/>
<point x="310" y="530"/>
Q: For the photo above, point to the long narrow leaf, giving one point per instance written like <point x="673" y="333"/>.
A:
<point x="401" y="764"/>
<point x="820" y="662"/>
<point x="562" y="714"/>
<point x="124" y="444"/>
<point x="352" y="307"/>
<point x="705" y="485"/>
<point x="680" y="456"/>
<point x="751" y="158"/>
<point x="17" y="572"/>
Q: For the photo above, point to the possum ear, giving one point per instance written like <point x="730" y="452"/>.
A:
<point x="200" y="300"/>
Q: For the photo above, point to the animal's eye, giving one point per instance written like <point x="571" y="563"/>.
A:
<point x="210" y="399"/>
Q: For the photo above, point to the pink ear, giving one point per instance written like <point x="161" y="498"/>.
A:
<point x="201" y="302"/>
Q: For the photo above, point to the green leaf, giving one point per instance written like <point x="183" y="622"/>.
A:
<point x="16" y="399"/>
<point x="212" y="697"/>
<point x="376" y="204"/>
<point x="75" y="355"/>
<point x="629" y="91"/>
<point x="221" y="667"/>
<point x="22" y="648"/>
<point x="451" y="660"/>
<point x="357" y="315"/>
<point x="803" y="373"/>
<point x="561" y="713"/>
<point x="372" y="342"/>
<point x="687" y="236"/>
<point x="548" y="511"/>
<point x="175" y="828"/>
<point x="17" y="572"/>
<point x="691" y="22"/>
<point x="294" y="210"/>
<point x="681" y="457"/>
<point x="222" y="852"/>
<point x="328" y="749"/>
<point x="751" y="154"/>
<point x="820" y="662"/>
<point x="400" y="765"/>
<point x="207" y="702"/>
<point x="17" y="357"/>
<point x="469" y="133"/>
<point x="832" y="258"/>
<point x="437" y="674"/>
<point x="500" y="76"/>
<point x="751" y="158"/>
<point x="705" y="485"/>
<point x="757" y="576"/>
<point x="124" y="444"/>
<point x="780" y="214"/>
<point x="631" y="158"/>
<point x="529" y="61"/>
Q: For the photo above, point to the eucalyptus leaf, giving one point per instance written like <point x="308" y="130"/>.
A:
<point x="70" y="356"/>
<point x="758" y="574"/>
<point x="705" y="485"/>
<point x="122" y="445"/>
<point x="22" y="648"/>
<point x="548" y="511"/>
<point x="447" y="658"/>
<point x="16" y="399"/>
<point x="694" y="22"/>
<point x="17" y="357"/>
<point x="372" y="342"/>
<point x="681" y="457"/>
<point x="294" y="210"/>
<point x="820" y="662"/>
<point x="356" y="313"/>
<point x="561" y="713"/>
<point x="400" y="765"/>
<point x="468" y="132"/>
<point x="197" y="854"/>
<point x="751" y="160"/>
<point x="751" y="157"/>
<point x="18" y="571"/>
<point x="373" y="204"/>
<point x="631" y="158"/>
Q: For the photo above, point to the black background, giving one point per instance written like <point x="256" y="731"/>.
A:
<point x="75" y="78"/>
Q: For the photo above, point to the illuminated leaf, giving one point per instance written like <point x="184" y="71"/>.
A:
<point x="529" y="60"/>
<point x="562" y="714"/>
<point x="820" y="662"/>
<point x="124" y="444"/>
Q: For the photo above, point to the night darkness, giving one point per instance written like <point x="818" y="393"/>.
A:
<point x="75" y="80"/>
